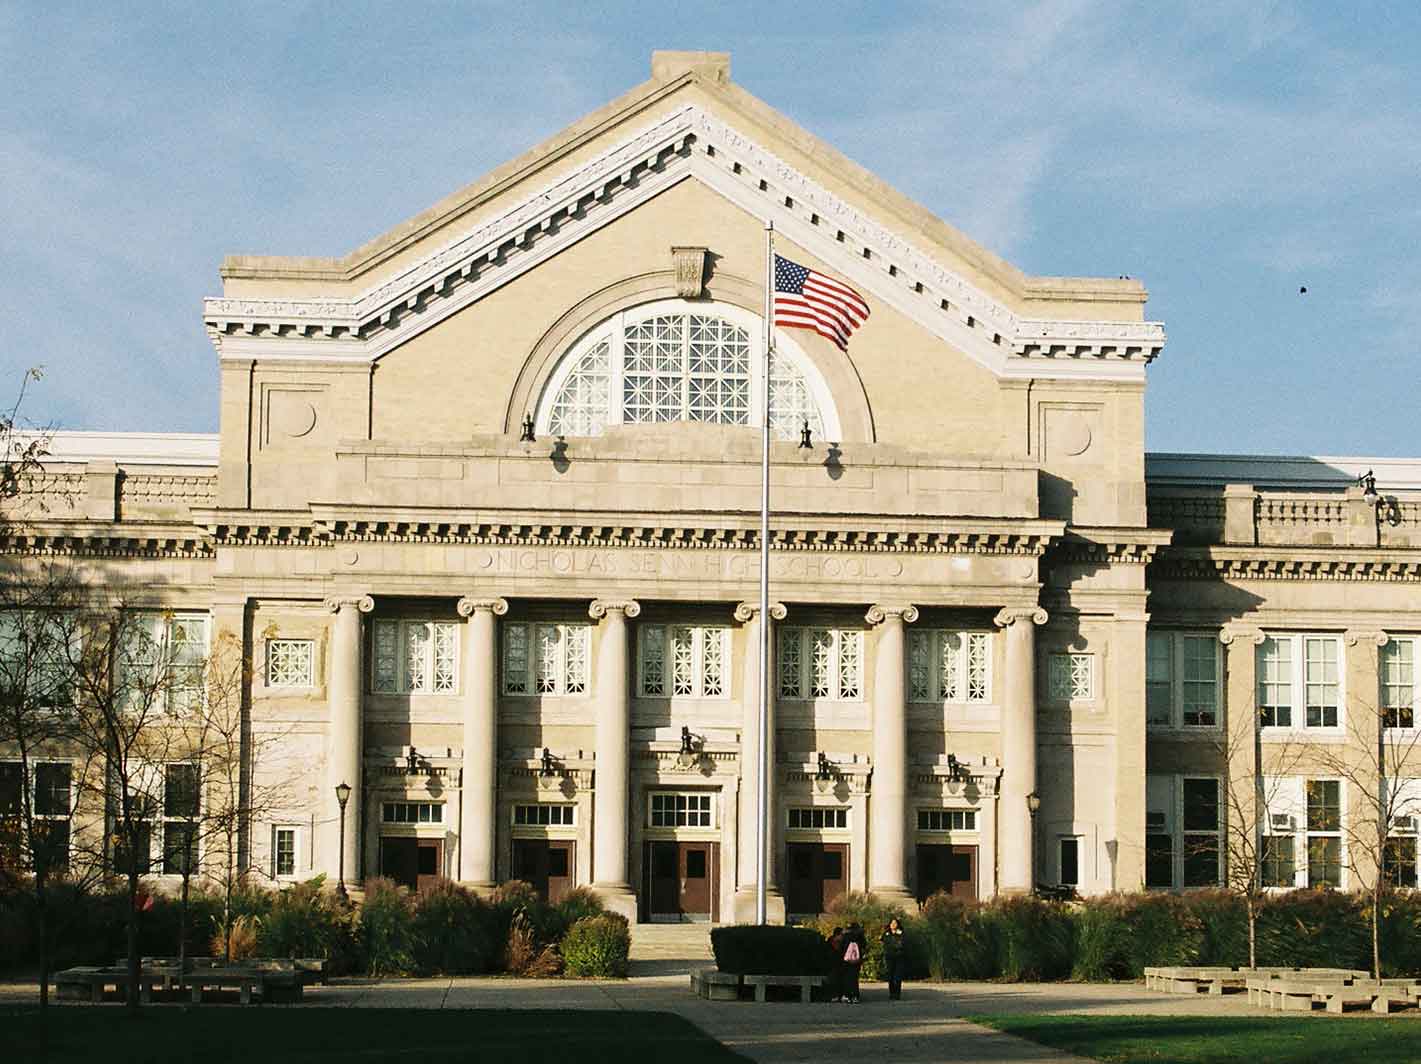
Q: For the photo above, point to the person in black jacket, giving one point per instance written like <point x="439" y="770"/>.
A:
<point x="834" y="984"/>
<point x="855" y="949"/>
<point x="893" y="958"/>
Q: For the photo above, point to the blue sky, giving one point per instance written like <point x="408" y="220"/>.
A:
<point x="1227" y="154"/>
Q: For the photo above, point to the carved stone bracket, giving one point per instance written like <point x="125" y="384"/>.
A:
<point x="747" y="611"/>
<point x="363" y="603"/>
<point x="1230" y="632"/>
<point x="601" y="607"/>
<point x="689" y="266"/>
<point x="880" y="612"/>
<point x="1011" y="615"/>
<point x="471" y="603"/>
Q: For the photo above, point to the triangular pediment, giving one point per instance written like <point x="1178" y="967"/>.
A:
<point x="697" y="136"/>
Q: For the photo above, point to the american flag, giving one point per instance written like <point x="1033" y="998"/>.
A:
<point x="807" y="299"/>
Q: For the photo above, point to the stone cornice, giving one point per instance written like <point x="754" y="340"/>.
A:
<point x="687" y="141"/>
<point x="118" y="539"/>
<point x="1286" y="563"/>
<point x="1114" y="546"/>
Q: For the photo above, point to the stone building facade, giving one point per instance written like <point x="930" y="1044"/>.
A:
<point x="1008" y="643"/>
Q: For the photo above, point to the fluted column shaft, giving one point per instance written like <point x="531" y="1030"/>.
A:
<point x="1015" y="844"/>
<point x="748" y="614"/>
<point x="478" y="810"/>
<point x="888" y="799"/>
<point x="612" y="736"/>
<point x="344" y="742"/>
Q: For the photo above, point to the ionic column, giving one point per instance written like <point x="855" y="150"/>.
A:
<point x="1015" y="845"/>
<point x="747" y="828"/>
<point x="888" y="794"/>
<point x="477" y="809"/>
<point x="612" y="737"/>
<point x="344" y="744"/>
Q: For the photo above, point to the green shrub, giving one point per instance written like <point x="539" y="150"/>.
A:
<point x="950" y="939"/>
<point x="750" y="949"/>
<point x="1163" y="930"/>
<point x="597" y="947"/>
<point x="452" y="931"/>
<point x="1314" y="929"/>
<point x="1400" y="933"/>
<point x="1033" y="938"/>
<point x="386" y="923"/>
<point x="1100" y="945"/>
<point x="577" y="904"/>
<point x="305" y="920"/>
<point x="1223" y="926"/>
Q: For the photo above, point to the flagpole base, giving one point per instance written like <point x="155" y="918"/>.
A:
<point x="744" y="907"/>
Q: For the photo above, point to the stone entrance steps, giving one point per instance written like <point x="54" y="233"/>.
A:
<point x="669" y="949"/>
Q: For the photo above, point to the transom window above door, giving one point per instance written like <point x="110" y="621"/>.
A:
<point x="681" y="361"/>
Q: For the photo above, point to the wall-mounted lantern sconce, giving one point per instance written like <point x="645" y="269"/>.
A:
<point x="686" y="757"/>
<point x="956" y="771"/>
<point x="412" y="761"/>
<point x="826" y="770"/>
<point x="527" y="436"/>
<point x="806" y="438"/>
<point x="1368" y="483"/>
<point x="549" y="769"/>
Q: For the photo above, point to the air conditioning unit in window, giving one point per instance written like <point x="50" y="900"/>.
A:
<point x="1155" y="822"/>
<point x="1403" y="825"/>
<point x="1280" y="821"/>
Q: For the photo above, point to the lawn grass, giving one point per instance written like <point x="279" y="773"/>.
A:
<point x="218" y="1035"/>
<point x="1210" y="1039"/>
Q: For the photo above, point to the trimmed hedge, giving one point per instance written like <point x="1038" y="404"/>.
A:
<point x="749" y="949"/>
<point x="597" y="947"/>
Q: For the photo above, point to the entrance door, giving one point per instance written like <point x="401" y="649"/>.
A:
<point x="816" y="875"/>
<point x="696" y="889"/>
<point x="680" y="881"/>
<point x="547" y="864"/>
<point x="399" y="860"/>
<point x="949" y="868"/>
<point x="429" y="862"/>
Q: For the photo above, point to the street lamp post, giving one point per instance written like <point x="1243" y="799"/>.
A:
<point x="1033" y="806"/>
<point x="342" y="796"/>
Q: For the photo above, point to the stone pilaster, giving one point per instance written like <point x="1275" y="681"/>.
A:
<point x="344" y="743"/>
<point x="888" y="798"/>
<point x="1361" y="716"/>
<point x="1244" y="800"/>
<point x="748" y="614"/>
<point x="612" y="736"/>
<point x="1015" y="845"/>
<point x="477" y="803"/>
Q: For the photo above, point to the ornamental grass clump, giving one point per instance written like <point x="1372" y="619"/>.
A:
<point x="524" y="955"/>
<point x="1034" y="939"/>
<point x="950" y="939"/>
<point x="387" y="928"/>
<point x="452" y="931"/>
<point x="1162" y="930"/>
<point x="598" y="947"/>
<point x="305" y="920"/>
<point x="1101" y="933"/>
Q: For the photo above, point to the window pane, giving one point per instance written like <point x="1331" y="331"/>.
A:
<point x="51" y="844"/>
<point x="1275" y="682"/>
<point x="1324" y="861"/>
<point x="11" y="778"/>
<point x="387" y="634"/>
<point x="1324" y="805"/>
<point x="52" y="789"/>
<point x="1159" y="677"/>
<point x="1159" y="861"/>
<point x="285" y="851"/>
<point x="1201" y="860"/>
<point x="417" y="637"/>
<point x="1398" y="683"/>
<point x="515" y="659"/>
<point x="1278" y="865"/>
<point x="653" y="660"/>
<point x="1321" y="682"/>
<point x="1201" y="681"/>
<point x="1070" y="863"/>
<point x="1201" y="805"/>
<point x="920" y="666"/>
<point x="1399" y="863"/>
<point x="179" y="849"/>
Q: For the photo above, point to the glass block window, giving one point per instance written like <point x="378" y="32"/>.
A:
<point x="546" y="659"/>
<point x="413" y="812"/>
<point x="818" y="818"/>
<point x="284" y="843"/>
<point x="1299" y="671"/>
<point x="1072" y="677"/>
<point x="290" y="663"/>
<point x="1182" y="671"/>
<point x="821" y="663"/>
<point x="1398" y="683"/>
<point x="946" y="666"/>
<point x="682" y="661"/>
<point x="947" y="820"/>
<point x="663" y="363"/>
<point x="415" y="657"/>
<point x="545" y="814"/>
<point x="680" y="810"/>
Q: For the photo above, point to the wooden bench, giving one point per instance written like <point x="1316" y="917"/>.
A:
<point x="805" y="983"/>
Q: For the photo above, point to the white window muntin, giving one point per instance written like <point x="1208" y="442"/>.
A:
<point x="1071" y="676"/>
<point x="1300" y="681"/>
<point x="412" y="812"/>
<point x="1292" y="813"/>
<point x="575" y="396"/>
<point x="949" y="666"/>
<point x="946" y="821"/>
<point x="545" y="815"/>
<point x="285" y="851"/>
<point x="1183" y="679"/>
<point x="165" y="654"/>
<point x="291" y="663"/>
<point x="683" y="661"/>
<point x="546" y="659"/>
<point x="821" y="664"/>
<point x="1398" y="682"/>
<point x="1166" y="815"/>
<point x="415" y="656"/>
<point x="681" y="809"/>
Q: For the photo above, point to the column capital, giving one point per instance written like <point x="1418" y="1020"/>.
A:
<point x="1011" y="615"/>
<point x="1353" y="636"/>
<point x="470" y="604"/>
<point x="601" y="607"/>
<point x="1247" y="632"/>
<point x="748" y="611"/>
<point x="882" y="611"/>
<point x="363" y="603"/>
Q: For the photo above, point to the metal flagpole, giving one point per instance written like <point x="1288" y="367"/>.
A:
<point x="762" y="793"/>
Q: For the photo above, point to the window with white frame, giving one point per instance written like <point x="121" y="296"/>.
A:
<point x="51" y="803"/>
<point x="545" y="815"/>
<point x="290" y="663"/>
<point x="821" y="663"/>
<point x="682" y="661"/>
<point x="1303" y="842"/>
<point x="1182" y="672"/>
<point x="1071" y="676"/>
<point x="1398" y="682"/>
<point x="415" y="657"/>
<point x="816" y="818"/>
<point x="412" y="812"/>
<point x="947" y="666"/>
<point x="36" y="652"/>
<point x="1399" y="855"/>
<point x="165" y="820"/>
<point x="182" y="809"/>
<point x="935" y="820"/>
<point x="665" y="363"/>
<point x="691" y="809"/>
<point x="285" y="851"/>
<point x="1068" y="860"/>
<point x="546" y="658"/>
<point x="163" y="656"/>
<point x="1299" y="681"/>
<point x="1183" y="831"/>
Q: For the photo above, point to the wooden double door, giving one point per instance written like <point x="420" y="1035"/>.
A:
<point x="949" y="868"/>
<point x="411" y="862"/>
<point x="818" y="873"/>
<point x="547" y="864"/>
<point x="679" y="881"/>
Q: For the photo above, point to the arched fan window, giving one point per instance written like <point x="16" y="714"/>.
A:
<point x="681" y="361"/>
